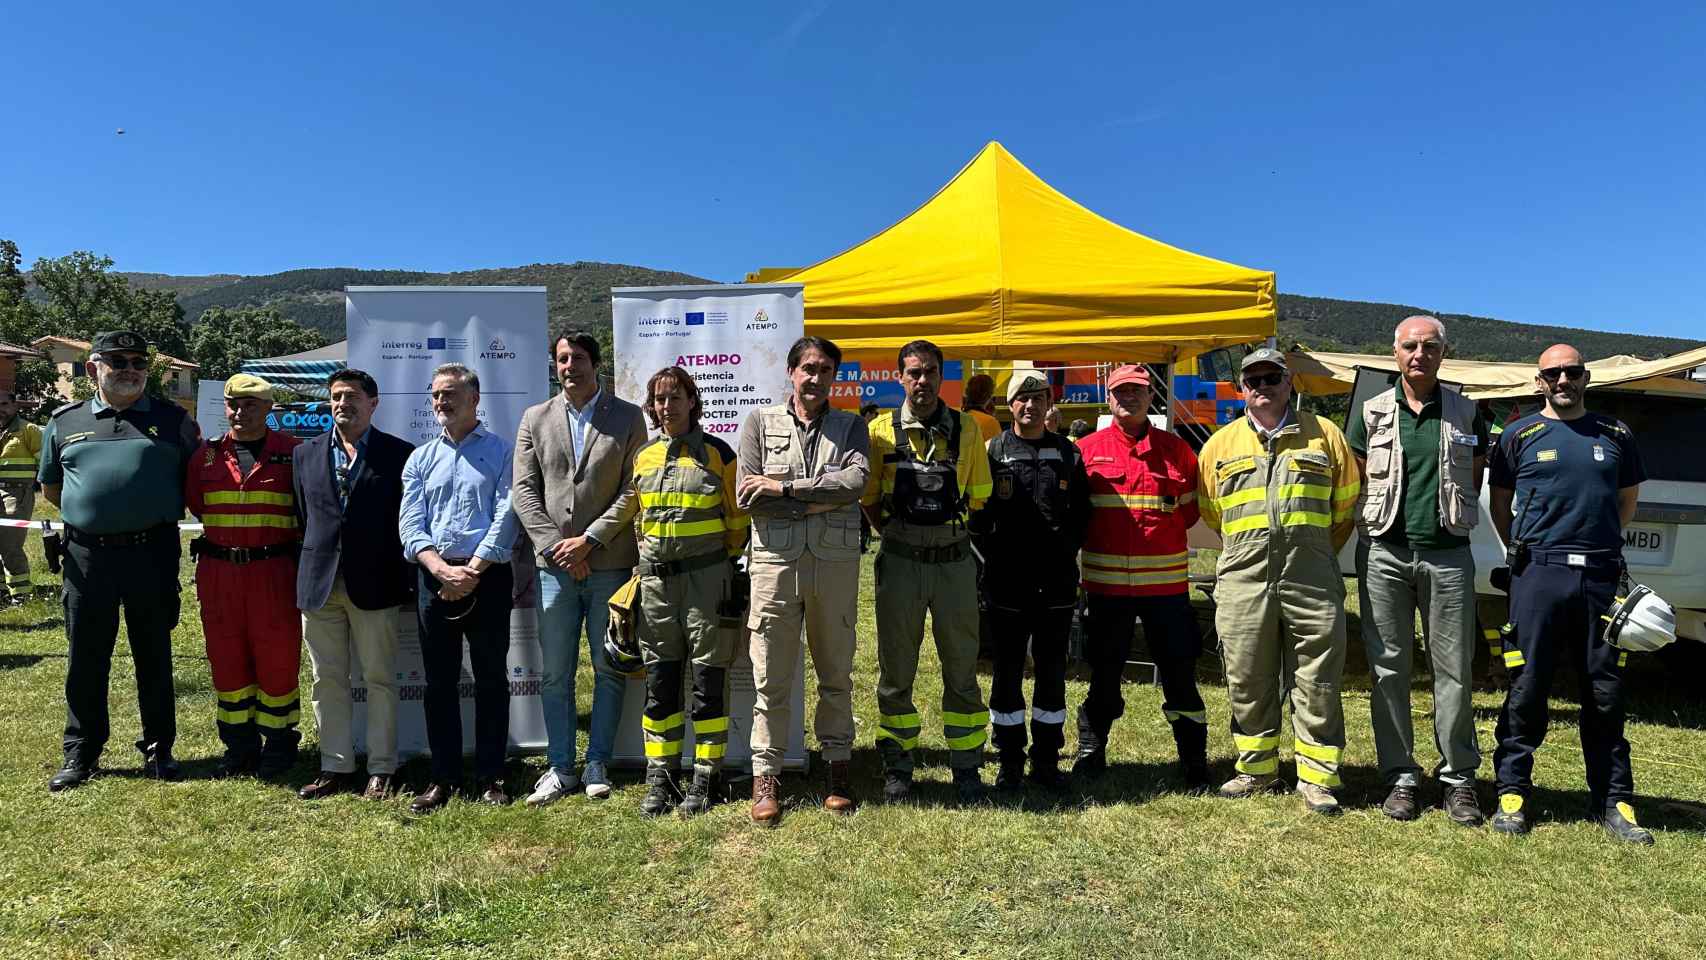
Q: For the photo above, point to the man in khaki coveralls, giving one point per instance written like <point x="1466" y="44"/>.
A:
<point x="930" y="472"/>
<point x="802" y="469"/>
<point x="1280" y="487"/>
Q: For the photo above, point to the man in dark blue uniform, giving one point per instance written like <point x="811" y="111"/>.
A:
<point x="1573" y="477"/>
<point x="114" y="466"/>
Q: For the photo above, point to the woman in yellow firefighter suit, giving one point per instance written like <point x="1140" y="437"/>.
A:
<point x="691" y="530"/>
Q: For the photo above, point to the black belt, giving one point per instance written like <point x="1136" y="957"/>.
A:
<point x="203" y="547"/>
<point x="670" y="568"/>
<point x="165" y="531"/>
<point x="1587" y="560"/>
<point x="952" y="553"/>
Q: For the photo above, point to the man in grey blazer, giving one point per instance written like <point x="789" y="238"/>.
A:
<point x="574" y="454"/>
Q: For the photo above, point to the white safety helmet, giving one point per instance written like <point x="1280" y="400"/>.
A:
<point x="1640" y="622"/>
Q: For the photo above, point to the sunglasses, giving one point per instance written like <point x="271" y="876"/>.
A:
<point x="1264" y="380"/>
<point x="1574" y="371"/>
<point x="120" y="363"/>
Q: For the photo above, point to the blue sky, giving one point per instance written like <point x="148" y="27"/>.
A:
<point x="1534" y="162"/>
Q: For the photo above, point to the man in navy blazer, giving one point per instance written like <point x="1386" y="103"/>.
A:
<point x="350" y="580"/>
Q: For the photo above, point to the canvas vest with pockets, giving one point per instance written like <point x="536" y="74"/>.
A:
<point x="830" y="535"/>
<point x="1383" y="492"/>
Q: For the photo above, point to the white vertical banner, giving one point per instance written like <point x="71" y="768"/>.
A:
<point x="733" y="339"/>
<point x="400" y="335"/>
<point x="210" y="408"/>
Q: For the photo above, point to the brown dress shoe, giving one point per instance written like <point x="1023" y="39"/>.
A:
<point x="840" y="799"/>
<point x="766" y="805"/>
<point x="495" y="794"/>
<point x="378" y="787"/>
<point x="434" y="796"/>
<point x="322" y="786"/>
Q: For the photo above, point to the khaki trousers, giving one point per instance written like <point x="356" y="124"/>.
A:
<point x="18" y="501"/>
<point x="1284" y="631"/>
<point x="906" y="589"/>
<point x="332" y="632"/>
<point x="823" y="596"/>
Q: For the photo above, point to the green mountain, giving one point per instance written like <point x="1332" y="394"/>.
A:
<point x="1354" y="326"/>
<point x="579" y="296"/>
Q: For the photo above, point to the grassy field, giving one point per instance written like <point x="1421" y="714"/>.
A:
<point x="229" y="869"/>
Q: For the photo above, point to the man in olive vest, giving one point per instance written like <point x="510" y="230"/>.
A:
<point x="1420" y="448"/>
<point x="802" y="468"/>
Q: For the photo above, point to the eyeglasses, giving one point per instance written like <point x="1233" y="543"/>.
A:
<point x="1574" y="371"/>
<point x="1264" y="380"/>
<point x="120" y="363"/>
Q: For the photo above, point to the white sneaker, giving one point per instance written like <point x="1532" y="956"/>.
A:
<point x="550" y="788"/>
<point x="597" y="780"/>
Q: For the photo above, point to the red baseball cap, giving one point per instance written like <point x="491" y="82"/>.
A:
<point x="1129" y="373"/>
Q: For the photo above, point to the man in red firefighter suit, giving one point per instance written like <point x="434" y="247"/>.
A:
<point x="1143" y="483"/>
<point x="239" y="485"/>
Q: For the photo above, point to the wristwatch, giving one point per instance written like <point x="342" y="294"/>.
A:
<point x="788" y="489"/>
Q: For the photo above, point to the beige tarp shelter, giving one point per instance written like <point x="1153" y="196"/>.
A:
<point x="998" y="264"/>
<point x="1331" y="373"/>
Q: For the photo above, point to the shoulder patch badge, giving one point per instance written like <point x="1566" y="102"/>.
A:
<point x="1546" y="456"/>
<point x="1530" y="431"/>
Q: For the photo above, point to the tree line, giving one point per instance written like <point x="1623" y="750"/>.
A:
<point x="78" y="295"/>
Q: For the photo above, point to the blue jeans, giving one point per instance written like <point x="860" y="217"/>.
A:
<point x="565" y="606"/>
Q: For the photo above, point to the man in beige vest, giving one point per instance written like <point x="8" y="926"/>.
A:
<point x="1421" y="449"/>
<point x="802" y="469"/>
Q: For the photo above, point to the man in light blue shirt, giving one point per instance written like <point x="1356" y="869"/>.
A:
<point x="456" y="523"/>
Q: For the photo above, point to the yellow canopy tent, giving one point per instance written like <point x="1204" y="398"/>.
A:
<point x="1330" y="373"/>
<point x="998" y="264"/>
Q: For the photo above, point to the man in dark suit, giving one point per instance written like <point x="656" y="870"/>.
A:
<point x="350" y="580"/>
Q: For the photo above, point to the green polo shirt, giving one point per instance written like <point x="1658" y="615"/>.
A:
<point x="1418" y="433"/>
<point x="120" y="471"/>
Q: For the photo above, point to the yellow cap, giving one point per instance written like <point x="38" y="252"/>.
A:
<point x="247" y="385"/>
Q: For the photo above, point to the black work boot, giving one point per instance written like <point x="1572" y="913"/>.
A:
<point x="1090" y="763"/>
<point x="699" y="794"/>
<point x="236" y="764"/>
<point x="72" y="775"/>
<point x="1619" y="821"/>
<point x="1511" y="818"/>
<point x="661" y="791"/>
<point x="1045" y="771"/>
<point x="897" y="786"/>
<point x="1195" y="774"/>
<point x="1011" y="775"/>
<point x="968" y="786"/>
<point x="158" y="764"/>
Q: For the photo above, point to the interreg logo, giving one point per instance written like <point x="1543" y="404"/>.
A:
<point x="401" y="345"/>
<point x="497" y="350"/>
<point x="435" y="343"/>
<point x="659" y="321"/>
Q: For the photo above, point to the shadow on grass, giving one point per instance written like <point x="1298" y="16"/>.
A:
<point x="21" y="661"/>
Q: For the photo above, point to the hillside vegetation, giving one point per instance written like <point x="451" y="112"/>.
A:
<point x="1355" y="326"/>
<point x="579" y="296"/>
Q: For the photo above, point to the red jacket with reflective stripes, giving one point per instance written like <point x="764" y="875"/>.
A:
<point x="1143" y="499"/>
<point x="237" y="511"/>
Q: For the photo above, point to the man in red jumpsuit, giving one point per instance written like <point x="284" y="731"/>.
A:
<point x="1143" y="498"/>
<point x="239" y="485"/>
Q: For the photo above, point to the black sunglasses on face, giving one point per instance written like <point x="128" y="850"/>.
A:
<point x="1574" y="371"/>
<point x="1263" y="380"/>
<point x="120" y="363"/>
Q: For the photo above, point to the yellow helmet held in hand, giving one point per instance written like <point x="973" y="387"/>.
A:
<point x="621" y="640"/>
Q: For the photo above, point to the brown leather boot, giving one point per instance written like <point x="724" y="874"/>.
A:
<point x="766" y="802"/>
<point x="840" y="799"/>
